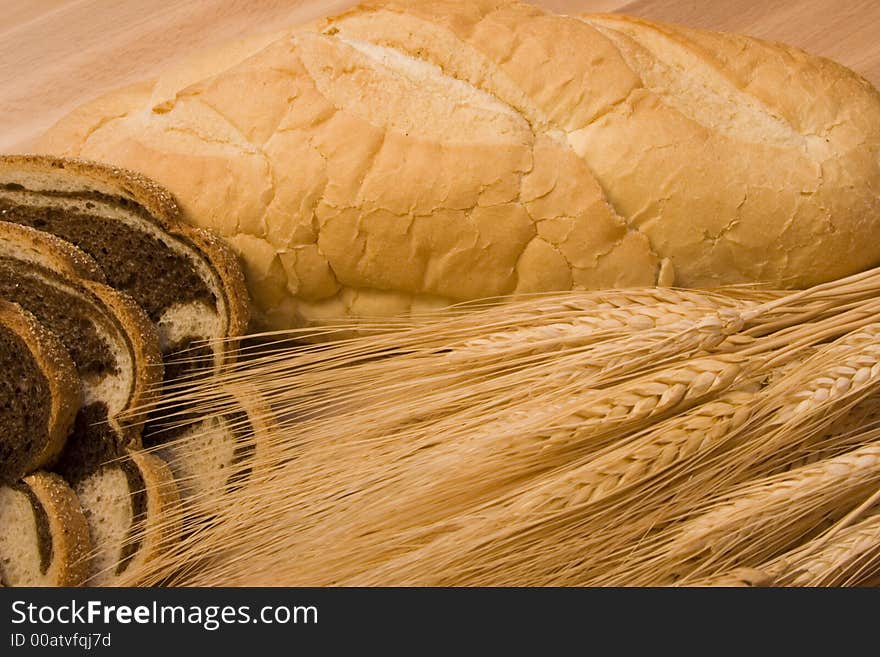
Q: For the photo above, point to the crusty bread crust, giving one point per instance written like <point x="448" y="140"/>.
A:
<point x="163" y="521"/>
<point x="56" y="254"/>
<point x="225" y="262"/>
<point x="152" y="529"/>
<point x="163" y="502"/>
<point x="116" y="104"/>
<point x="403" y="155"/>
<point x="67" y="524"/>
<point x="59" y="370"/>
<point x="143" y="340"/>
<point x="261" y="416"/>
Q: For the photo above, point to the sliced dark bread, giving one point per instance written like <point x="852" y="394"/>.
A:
<point x="44" y="538"/>
<point x="187" y="279"/>
<point x="64" y="258"/>
<point x="40" y="394"/>
<point x="131" y="507"/>
<point x="113" y="344"/>
<point x="221" y="453"/>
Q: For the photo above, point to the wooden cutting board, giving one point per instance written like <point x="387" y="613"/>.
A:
<point x="56" y="54"/>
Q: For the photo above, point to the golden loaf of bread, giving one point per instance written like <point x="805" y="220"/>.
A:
<point x="404" y="155"/>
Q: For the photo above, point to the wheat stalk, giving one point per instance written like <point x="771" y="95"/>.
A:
<point x="736" y="578"/>
<point x="842" y="429"/>
<point x="443" y="387"/>
<point x="568" y="425"/>
<point x="765" y="517"/>
<point x="576" y="321"/>
<point x="847" y="557"/>
<point x="671" y="442"/>
<point x="576" y="486"/>
<point x="799" y="419"/>
<point x="853" y="362"/>
<point x="618" y="411"/>
<point x="853" y="556"/>
<point x="427" y="498"/>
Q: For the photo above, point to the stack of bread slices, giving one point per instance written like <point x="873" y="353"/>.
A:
<point x="106" y="293"/>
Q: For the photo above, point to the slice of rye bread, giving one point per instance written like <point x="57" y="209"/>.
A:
<point x="113" y="344"/>
<point x="44" y="537"/>
<point x="186" y="278"/>
<point x="132" y="510"/>
<point x="40" y="394"/>
<point x="221" y="453"/>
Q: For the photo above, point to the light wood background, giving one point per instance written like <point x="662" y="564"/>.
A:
<point x="56" y="54"/>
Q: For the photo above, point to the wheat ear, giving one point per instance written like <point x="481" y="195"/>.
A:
<point x="763" y="518"/>
<point x="802" y="410"/>
<point x="851" y="557"/>
<point x="639" y="458"/>
<point x="644" y="456"/>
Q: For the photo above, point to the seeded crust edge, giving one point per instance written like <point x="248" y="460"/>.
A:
<point x="71" y="542"/>
<point x="163" y="521"/>
<point x="168" y="216"/>
<point x="68" y="258"/>
<point x="260" y="416"/>
<point x="56" y="365"/>
<point x="163" y="526"/>
<point x="143" y="337"/>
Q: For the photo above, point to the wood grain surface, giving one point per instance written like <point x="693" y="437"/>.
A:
<point x="56" y="54"/>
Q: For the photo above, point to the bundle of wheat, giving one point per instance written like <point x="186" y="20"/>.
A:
<point x="619" y="437"/>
